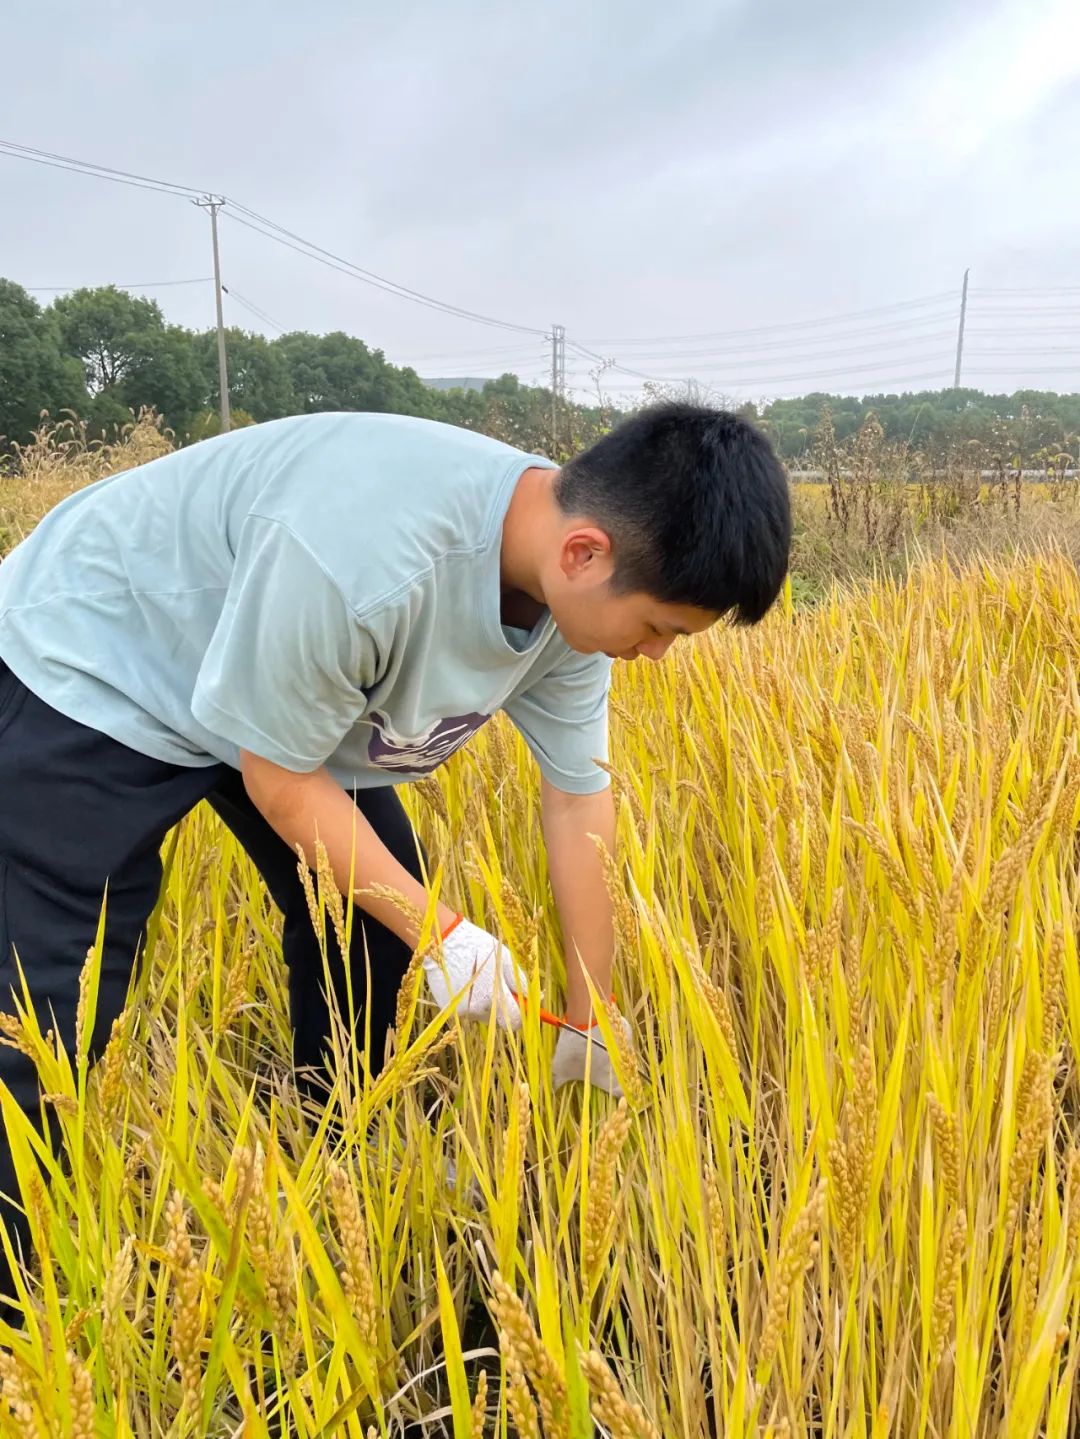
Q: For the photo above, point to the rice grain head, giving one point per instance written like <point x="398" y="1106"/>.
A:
<point x="797" y="1252"/>
<point x="948" y="1276"/>
<point x="622" y="1418"/>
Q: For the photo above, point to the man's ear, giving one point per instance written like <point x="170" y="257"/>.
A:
<point x="586" y="552"/>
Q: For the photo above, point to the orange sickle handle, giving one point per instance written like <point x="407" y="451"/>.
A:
<point x="546" y="1017"/>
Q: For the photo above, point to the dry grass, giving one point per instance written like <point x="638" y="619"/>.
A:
<point x="846" y="1199"/>
<point x="62" y="458"/>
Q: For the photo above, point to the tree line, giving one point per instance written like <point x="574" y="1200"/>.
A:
<point x="104" y="353"/>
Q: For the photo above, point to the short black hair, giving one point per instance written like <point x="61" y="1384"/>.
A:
<point x="696" y="504"/>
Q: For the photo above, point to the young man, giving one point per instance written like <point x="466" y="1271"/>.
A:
<point x="287" y="621"/>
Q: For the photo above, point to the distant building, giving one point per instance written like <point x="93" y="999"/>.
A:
<point x="466" y="383"/>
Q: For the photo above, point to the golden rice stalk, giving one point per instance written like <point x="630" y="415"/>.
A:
<point x="76" y="1325"/>
<point x="851" y="959"/>
<point x="621" y="788"/>
<point x="995" y="998"/>
<point x="946" y="1129"/>
<point x="330" y="895"/>
<point x="410" y="981"/>
<point x="900" y="949"/>
<point x="214" y="1191"/>
<point x="395" y="898"/>
<point x="1053" y="994"/>
<point x="306" y="881"/>
<point x="112" y="1310"/>
<point x="37" y="1206"/>
<point x="945" y="941"/>
<point x="356" y="1274"/>
<point x="113" y="1067"/>
<point x="851" y="1158"/>
<point x="1004" y="878"/>
<point x="526" y="1354"/>
<point x="717" y="1001"/>
<point x="235" y="990"/>
<point x="1072" y="1193"/>
<point x="1034" y="1115"/>
<point x="271" y="1259"/>
<point x="519" y="1401"/>
<point x="134" y="1162"/>
<point x="1029" y="1289"/>
<point x="630" y="1070"/>
<point x="479" y="1408"/>
<point x="894" y="872"/>
<point x="63" y="1103"/>
<point x="514" y="1148"/>
<point x="430" y="791"/>
<point x="948" y="1276"/>
<point x="18" y="1395"/>
<point x="621" y="1418"/>
<point x="1066" y="807"/>
<point x="82" y="1398"/>
<point x="796" y="1255"/>
<point x="1029" y="1078"/>
<point x="601" y="1188"/>
<point x="15" y="1037"/>
<point x="714" y="1213"/>
<point x="625" y="928"/>
<point x="514" y="910"/>
<point x="84" y="989"/>
<point x="764" y="904"/>
<point x="187" y="1322"/>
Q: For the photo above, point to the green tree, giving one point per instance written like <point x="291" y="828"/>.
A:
<point x="259" y="377"/>
<point x="130" y="357"/>
<point x="35" y="374"/>
<point x="339" y="372"/>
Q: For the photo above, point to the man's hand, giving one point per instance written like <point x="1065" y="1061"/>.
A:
<point x="576" y="1046"/>
<point x="469" y="959"/>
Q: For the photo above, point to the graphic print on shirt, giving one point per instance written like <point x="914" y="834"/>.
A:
<point x="420" y="755"/>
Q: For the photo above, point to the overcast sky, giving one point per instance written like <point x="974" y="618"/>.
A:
<point x="629" y="169"/>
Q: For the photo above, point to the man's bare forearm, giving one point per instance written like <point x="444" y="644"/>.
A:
<point x="303" y="807"/>
<point x="581" y="896"/>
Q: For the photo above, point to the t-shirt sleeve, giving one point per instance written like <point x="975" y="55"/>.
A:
<point x="563" y="718"/>
<point x="284" y="671"/>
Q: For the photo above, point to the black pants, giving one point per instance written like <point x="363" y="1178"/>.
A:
<point x="78" y="810"/>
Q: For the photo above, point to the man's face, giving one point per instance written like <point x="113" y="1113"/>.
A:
<point x="593" y="619"/>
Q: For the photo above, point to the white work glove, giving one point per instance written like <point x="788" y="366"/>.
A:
<point x="471" y="970"/>
<point x="572" y="1049"/>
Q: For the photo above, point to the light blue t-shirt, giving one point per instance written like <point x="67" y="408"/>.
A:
<point x="318" y="590"/>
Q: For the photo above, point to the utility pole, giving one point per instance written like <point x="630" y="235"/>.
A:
<point x="960" y="333"/>
<point x="213" y="203"/>
<point x="558" y="380"/>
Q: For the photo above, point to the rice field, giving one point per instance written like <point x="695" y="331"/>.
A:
<point x="842" y="1195"/>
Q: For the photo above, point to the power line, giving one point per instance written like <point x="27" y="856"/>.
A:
<point x="234" y="294"/>
<point x="1030" y="290"/>
<point x="1040" y="370"/>
<point x="274" y="231"/>
<point x="789" y="325"/>
<point x="905" y="315"/>
<point x="520" y="349"/>
<point x="752" y="371"/>
<point x="735" y="352"/>
<point x="1045" y="330"/>
<point x="941" y="375"/>
<point x="118" y="285"/>
<point x="99" y="172"/>
<point x="914" y="328"/>
<point x="1030" y="350"/>
<point x="1028" y="311"/>
<point x="312" y="251"/>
